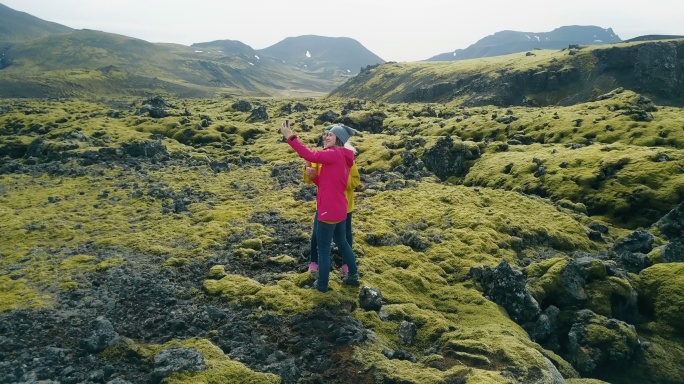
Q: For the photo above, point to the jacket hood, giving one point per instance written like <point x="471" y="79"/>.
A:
<point x="348" y="156"/>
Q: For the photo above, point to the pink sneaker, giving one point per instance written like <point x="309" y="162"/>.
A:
<point x="313" y="267"/>
<point x="345" y="269"/>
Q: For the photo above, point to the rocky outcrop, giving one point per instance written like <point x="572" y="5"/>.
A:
<point x="653" y="68"/>
<point x="506" y="287"/>
<point x="595" y="341"/>
<point x="507" y="42"/>
<point x="447" y="158"/>
<point x="591" y="341"/>
<point x="671" y="226"/>
<point x="173" y="360"/>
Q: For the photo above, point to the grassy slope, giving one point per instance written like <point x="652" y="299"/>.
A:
<point x="560" y="77"/>
<point x="88" y="63"/>
<point x="471" y="218"/>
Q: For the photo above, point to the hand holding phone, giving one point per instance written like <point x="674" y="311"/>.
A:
<point x="285" y="129"/>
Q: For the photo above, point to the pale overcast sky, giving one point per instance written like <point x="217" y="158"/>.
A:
<point x="395" y="30"/>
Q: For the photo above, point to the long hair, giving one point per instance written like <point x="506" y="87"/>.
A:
<point x="350" y="147"/>
<point x="339" y="143"/>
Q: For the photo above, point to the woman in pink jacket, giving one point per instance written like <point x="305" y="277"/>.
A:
<point x="331" y="201"/>
<point x="311" y="170"/>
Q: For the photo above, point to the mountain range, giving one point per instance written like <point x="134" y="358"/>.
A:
<point x="39" y="58"/>
<point x="506" y="42"/>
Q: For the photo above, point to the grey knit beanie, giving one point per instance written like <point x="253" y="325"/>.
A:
<point x="342" y="132"/>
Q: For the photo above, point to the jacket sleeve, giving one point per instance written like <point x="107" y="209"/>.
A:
<point x="354" y="178"/>
<point x="320" y="157"/>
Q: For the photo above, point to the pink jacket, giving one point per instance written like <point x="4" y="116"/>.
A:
<point x="331" y="200"/>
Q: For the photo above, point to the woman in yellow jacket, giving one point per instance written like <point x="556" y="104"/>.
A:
<point x="310" y="171"/>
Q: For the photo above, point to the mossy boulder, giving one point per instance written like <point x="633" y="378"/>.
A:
<point x="217" y="272"/>
<point x="245" y="253"/>
<point x="175" y="262"/>
<point x="671" y="226"/>
<point x="557" y="281"/>
<point x="506" y="287"/>
<point x="255" y="244"/>
<point x="282" y="260"/>
<point x="232" y="286"/>
<point x="594" y="268"/>
<point x="661" y="292"/>
<point x="596" y="342"/>
<point x="612" y="297"/>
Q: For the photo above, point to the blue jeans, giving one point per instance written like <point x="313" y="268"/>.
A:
<point x="314" y="246"/>
<point x="325" y="235"/>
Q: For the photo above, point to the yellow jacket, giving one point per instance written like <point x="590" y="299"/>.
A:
<point x="352" y="183"/>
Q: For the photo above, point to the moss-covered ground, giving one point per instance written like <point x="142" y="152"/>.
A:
<point x="593" y="174"/>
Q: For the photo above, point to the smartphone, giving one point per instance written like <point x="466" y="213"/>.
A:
<point x="287" y="123"/>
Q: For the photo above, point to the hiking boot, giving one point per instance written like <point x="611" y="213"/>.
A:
<point x="316" y="287"/>
<point x="345" y="269"/>
<point x="351" y="280"/>
<point x="313" y="267"/>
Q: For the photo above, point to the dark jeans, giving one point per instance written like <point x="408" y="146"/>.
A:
<point x="325" y="234"/>
<point x="314" y="246"/>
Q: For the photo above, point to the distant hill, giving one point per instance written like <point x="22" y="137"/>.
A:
<point x="654" y="37"/>
<point x="45" y="59"/>
<point x="227" y="46"/>
<point x="534" y="78"/>
<point x="507" y="42"/>
<point x="18" y="26"/>
<point x="310" y="53"/>
<point x="318" y="52"/>
<point x="88" y="63"/>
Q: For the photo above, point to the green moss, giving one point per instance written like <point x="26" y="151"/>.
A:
<point x="219" y="368"/>
<point x="595" y="270"/>
<point x="577" y="207"/>
<point x="175" y="262"/>
<point x="431" y="324"/>
<point x="474" y="352"/>
<point x="619" y="336"/>
<point x="662" y="287"/>
<point x="245" y="253"/>
<point x="255" y="244"/>
<point x="126" y="347"/>
<point x="287" y="297"/>
<point x="282" y="259"/>
<point x="602" y="293"/>
<point x="664" y="352"/>
<point x="16" y="294"/>
<point x="481" y="219"/>
<point x="656" y="256"/>
<point x="421" y="372"/>
<point x="68" y="286"/>
<point x="615" y="180"/>
<point x="471" y="329"/>
<point x="232" y="287"/>
<point x="566" y="369"/>
<point x="543" y="279"/>
<point x="217" y="272"/>
<point x="74" y="266"/>
<point x="109" y="263"/>
<point x="81" y="262"/>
